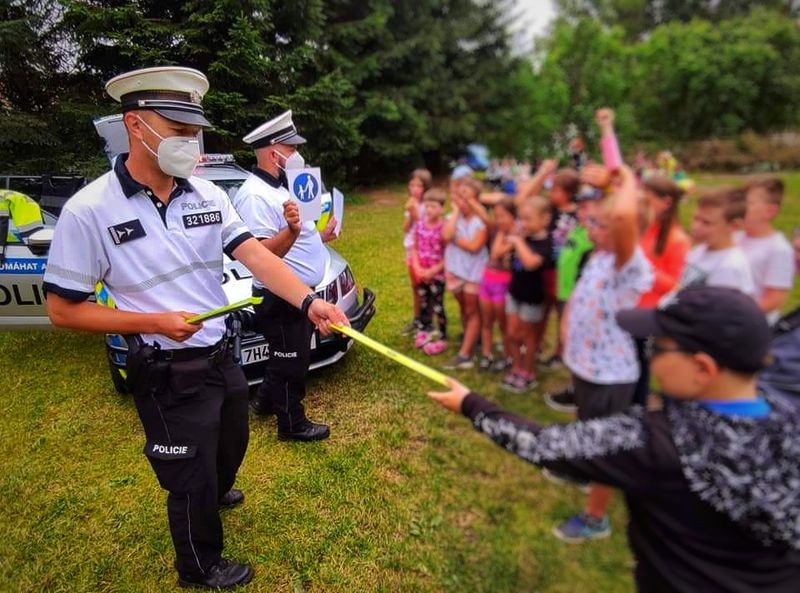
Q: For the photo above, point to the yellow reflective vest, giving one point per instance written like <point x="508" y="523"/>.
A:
<point x="23" y="212"/>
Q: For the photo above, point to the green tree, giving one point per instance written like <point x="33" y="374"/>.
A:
<point x="637" y="17"/>
<point x="701" y="79"/>
<point x="30" y="80"/>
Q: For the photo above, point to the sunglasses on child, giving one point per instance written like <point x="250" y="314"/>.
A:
<point x="653" y="349"/>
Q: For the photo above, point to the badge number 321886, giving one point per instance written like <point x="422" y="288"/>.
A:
<point x="202" y="219"/>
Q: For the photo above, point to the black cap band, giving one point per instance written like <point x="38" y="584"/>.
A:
<point x="176" y="106"/>
<point x="275" y="137"/>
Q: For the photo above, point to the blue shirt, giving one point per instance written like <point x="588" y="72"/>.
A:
<point x="756" y="408"/>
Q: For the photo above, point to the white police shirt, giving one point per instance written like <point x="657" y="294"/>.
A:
<point x="259" y="202"/>
<point x="151" y="257"/>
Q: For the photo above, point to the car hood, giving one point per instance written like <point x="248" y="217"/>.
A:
<point x="238" y="280"/>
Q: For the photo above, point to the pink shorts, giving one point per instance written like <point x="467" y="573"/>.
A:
<point x="494" y="285"/>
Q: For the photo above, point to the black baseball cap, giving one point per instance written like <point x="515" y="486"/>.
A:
<point x="724" y="323"/>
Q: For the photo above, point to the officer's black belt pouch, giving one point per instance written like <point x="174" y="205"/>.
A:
<point x="146" y="373"/>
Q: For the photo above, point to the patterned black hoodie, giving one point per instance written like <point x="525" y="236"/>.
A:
<point x="714" y="500"/>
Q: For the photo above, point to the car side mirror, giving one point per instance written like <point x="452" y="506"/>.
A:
<point x="39" y="241"/>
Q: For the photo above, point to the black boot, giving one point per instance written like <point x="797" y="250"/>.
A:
<point x="261" y="406"/>
<point x="307" y="431"/>
<point x="223" y="575"/>
<point x="232" y="498"/>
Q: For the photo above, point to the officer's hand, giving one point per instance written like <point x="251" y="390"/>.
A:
<point x="322" y="314"/>
<point x="175" y="327"/>
<point x="291" y="212"/>
<point x="453" y="398"/>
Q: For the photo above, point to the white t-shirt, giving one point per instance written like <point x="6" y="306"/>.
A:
<point x="720" y="267"/>
<point x="771" y="262"/>
<point x="598" y="350"/>
<point x="259" y="202"/>
<point x="461" y="263"/>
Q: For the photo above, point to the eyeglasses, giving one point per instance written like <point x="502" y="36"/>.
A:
<point x="653" y="349"/>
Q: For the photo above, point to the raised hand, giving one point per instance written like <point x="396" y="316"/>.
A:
<point x="291" y="212"/>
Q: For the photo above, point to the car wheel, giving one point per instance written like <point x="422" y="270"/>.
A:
<point x="120" y="384"/>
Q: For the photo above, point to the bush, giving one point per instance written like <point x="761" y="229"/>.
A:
<point x="748" y="152"/>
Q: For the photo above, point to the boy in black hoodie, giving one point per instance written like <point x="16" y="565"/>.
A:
<point x="712" y="480"/>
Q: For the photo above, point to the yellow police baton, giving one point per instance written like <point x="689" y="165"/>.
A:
<point x="219" y="312"/>
<point x="394" y="355"/>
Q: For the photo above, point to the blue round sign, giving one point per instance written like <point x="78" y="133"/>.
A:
<point x="305" y="187"/>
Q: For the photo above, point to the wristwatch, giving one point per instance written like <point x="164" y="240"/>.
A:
<point x="306" y="304"/>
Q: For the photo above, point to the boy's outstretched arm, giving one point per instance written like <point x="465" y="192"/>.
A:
<point x="612" y="451"/>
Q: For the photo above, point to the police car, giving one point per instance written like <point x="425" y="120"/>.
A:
<point x="22" y="305"/>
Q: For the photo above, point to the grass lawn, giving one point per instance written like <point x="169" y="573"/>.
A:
<point x="403" y="497"/>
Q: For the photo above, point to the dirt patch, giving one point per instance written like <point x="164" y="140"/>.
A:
<point x="382" y="197"/>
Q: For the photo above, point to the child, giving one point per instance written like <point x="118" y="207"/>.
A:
<point x="664" y="242"/>
<point x="465" y="257"/>
<point x="428" y="265"/>
<point x="769" y="253"/>
<point x="599" y="354"/>
<point x="711" y="480"/>
<point x="494" y="286"/>
<point x="666" y="245"/>
<point x="571" y="261"/>
<point x="533" y="250"/>
<point x="716" y="260"/>
<point x="563" y="220"/>
<point x="419" y="182"/>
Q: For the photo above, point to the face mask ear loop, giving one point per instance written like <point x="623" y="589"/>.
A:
<point x="150" y="150"/>
<point x="285" y="158"/>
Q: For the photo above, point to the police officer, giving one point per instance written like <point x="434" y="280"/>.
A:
<point x="263" y="203"/>
<point x="154" y="236"/>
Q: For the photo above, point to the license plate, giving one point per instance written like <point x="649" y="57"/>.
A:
<point x="260" y="353"/>
<point x="255" y="354"/>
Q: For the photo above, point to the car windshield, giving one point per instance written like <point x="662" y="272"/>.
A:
<point x="228" y="184"/>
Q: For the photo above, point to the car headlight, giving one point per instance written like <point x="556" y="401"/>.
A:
<point x="346" y="281"/>
<point x="332" y="292"/>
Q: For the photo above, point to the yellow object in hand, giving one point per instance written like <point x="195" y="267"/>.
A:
<point x="225" y="310"/>
<point x="394" y="355"/>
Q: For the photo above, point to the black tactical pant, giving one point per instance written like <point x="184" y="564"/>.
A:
<point x="288" y="334"/>
<point x="195" y="419"/>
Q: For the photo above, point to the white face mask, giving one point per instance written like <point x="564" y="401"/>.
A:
<point x="177" y="155"/>
<point x="293" y="161"/>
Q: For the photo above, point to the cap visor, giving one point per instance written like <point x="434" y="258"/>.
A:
<point x="184" y="117"/>
<point x="296" y="139"/>
<point x="640" y="323"/>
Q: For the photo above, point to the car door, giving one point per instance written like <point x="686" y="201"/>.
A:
<point x="22" y="302"/>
